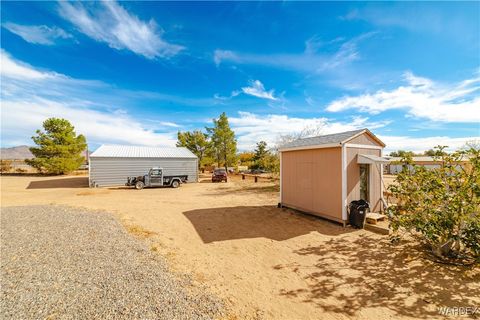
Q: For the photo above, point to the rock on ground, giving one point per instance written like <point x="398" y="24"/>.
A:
<point x="62" y="262"/>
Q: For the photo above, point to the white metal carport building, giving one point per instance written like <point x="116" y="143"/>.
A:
<point x="110" y="165"/>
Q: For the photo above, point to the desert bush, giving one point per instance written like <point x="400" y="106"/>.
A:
<point x="440" y="206"/>
<point x="5" y="165"/>
<point x="20" y="170"/>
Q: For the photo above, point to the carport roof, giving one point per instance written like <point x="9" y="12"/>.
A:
<point x="116" y="151"/>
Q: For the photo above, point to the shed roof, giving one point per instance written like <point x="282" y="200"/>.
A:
<point x="330" y="139"/>
<point x="116" y="151"/>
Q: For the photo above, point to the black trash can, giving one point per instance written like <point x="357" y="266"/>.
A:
<point x="357" y="213"/>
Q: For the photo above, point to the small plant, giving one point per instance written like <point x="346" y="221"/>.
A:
<point x="441" y="206"/>
<point x="5" y="165"/>
<point x="21" y="170"/>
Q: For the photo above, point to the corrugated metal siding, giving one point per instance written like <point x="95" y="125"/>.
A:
<point x="114" y="171"/>
<point x="115" y="151"/>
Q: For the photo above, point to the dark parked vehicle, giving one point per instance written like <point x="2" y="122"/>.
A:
<point x="155" y="178"/>
<point x="219" y="175"/>
<point x="258" y="171"/>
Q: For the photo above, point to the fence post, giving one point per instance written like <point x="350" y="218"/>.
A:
<point x="243" y="177"/>
<point x="256" y="178"/>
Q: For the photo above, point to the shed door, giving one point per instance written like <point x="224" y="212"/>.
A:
<point x="364" y="182"/>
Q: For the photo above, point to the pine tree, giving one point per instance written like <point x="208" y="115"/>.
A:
<point x="261" y="153"/>
<point x="59" y="148"/>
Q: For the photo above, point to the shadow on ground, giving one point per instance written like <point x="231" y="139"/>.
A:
<point x="244" y="222"/>
<point x="351" y="275"/>
<point x="77" y="182"/>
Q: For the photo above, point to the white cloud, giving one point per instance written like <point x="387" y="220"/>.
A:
<point x="422" y="98"/>
<point x="25" y="117"/>
<point x="37" y="34"/>
<point x="17" y="70"/>
<point x="257" y="89"/>
<point x="251" y="128"/>
<point x="29" y="96"/>
<point x="420" y="145"/>
<point x="232" y="95"/>
<point x="169" y="124"/>
<point x="311" y="60"/>
<point x="110" y="23"/>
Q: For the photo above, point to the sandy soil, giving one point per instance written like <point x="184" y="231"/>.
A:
<point x="268" y="263"/>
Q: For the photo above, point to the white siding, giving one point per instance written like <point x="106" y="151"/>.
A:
<point x="114" y="171"/>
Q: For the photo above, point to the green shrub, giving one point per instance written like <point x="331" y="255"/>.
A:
<point x="441" y="206"/>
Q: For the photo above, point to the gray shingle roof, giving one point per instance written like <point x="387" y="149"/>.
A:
<point x="109" y="151"/>
<point x="320" y="140"/>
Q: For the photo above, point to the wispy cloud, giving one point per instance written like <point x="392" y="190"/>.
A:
<point x="169" y="124"/>
<point x="257" y="89"/>
<point x="29" y="96"/>
<point x="233" y="94"/>
<point x="18" y="70"/>
<point x="422" y="98"/>
<point x="419" y="145"/>
<point x="110" y="23"/>
<point x="251" y="128"/>
<point x="38" y="34"/>
<point x="422" y="18"/>
<point x="311" y="60"/>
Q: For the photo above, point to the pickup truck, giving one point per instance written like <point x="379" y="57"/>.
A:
<point x="155" y="178"/>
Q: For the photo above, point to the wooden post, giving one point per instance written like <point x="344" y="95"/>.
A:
<point x="256" y="179"/>
<point x="243" y="177"/>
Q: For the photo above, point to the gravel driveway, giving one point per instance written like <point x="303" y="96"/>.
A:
<point x="69" y="263"/>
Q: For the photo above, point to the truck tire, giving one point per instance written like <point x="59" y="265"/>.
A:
<point x="175" y="184"/>
<point x="139" y="185"/>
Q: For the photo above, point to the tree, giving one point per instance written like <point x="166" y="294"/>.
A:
<point x="401" y="153"/>
<point x="307" y="131"/>
<point x="195" y="141"/>
<point x="272" y="163"/>
<point x="440" y="206"/>
<point x="471" y="144"/>
<point x="260" y="154"/>
<point x="246" y="158"/>
<point x="224" y="144"/>
<point x="59" y="148"/>
<point x="434" y="152"/>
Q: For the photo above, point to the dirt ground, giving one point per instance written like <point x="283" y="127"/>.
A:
<point x="265" y="262"/>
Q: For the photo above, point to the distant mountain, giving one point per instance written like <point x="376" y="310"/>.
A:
<point x="17" y="153"/>
<point x="20" y="153"/>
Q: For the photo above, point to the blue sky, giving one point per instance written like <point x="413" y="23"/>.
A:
<point x="137" y="72"/>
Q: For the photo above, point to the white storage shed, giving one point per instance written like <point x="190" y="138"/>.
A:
<point x="110" y="165"/>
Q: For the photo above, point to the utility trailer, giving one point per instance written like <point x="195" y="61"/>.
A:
<point x="155" y="178"/>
